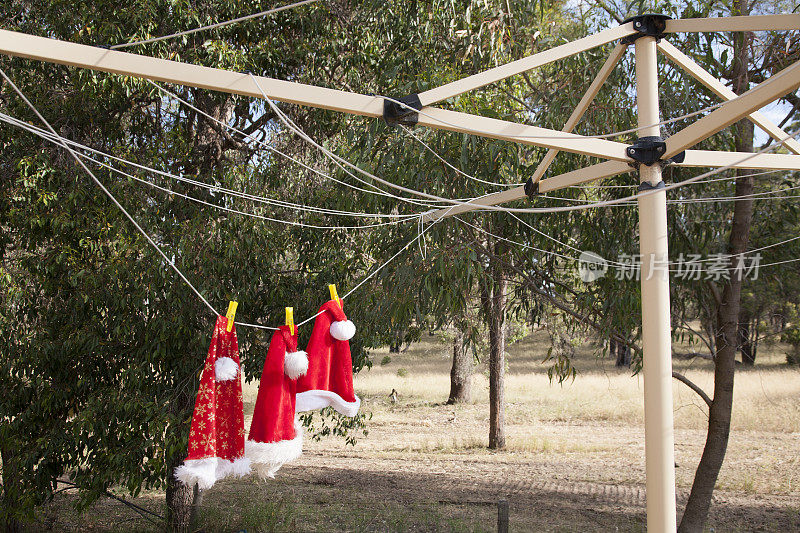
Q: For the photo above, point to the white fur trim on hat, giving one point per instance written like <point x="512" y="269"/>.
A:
<point x="343" y="330"/>
<point x="295" y="364"/>
<point x="205" y="472"/>
<point x="311" y="400"/>
<point x="267" y="457"/>
<point x="225" y="369"/>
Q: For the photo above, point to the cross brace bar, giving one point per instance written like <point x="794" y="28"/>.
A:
<point x="785" y="22"/>
<point x="776" y="86"/>
<point x="718" y="88"/>
<point x="79" y="55"/>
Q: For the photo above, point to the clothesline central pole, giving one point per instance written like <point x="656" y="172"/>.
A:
<point x="656" y="330"/>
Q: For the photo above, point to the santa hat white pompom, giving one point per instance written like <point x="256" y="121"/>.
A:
<point x="343" y="330"/>
<point x="225" y="369"/>
<point x="295" y="364"/>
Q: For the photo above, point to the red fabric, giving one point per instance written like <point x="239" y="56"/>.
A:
<point x="218" y="419"/>
<point x="330" y="365"/>
<point x="273" y="416"/>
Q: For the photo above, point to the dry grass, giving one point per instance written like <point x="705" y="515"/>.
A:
<point x="574" y="459"/>
<point x="765" y="397"/>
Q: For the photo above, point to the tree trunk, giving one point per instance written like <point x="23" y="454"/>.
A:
<point x="10" y="496"/>
<point x="497" y="347"/>
<point x="745" y="344"/>
<point x="623" y="355"/>
<point x="181" y="501"/>
<point x="727" y="317"/>
<point x="461" y="372"/>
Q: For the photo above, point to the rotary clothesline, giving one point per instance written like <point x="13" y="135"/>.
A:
<point x="612" y="263"/>
<point x="340" y="161"/>
<point x="648" y="155"/>
<point x="41" y="133"/>
<point x="59" y="140"/>
<point x="290" y="125"/>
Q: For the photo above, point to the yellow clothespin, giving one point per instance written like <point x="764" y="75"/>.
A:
<point x="231" y="314"/>
<point x="290" y="319"/>
<point x="335" y="295"/>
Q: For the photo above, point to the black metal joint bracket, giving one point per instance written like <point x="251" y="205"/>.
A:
<point x="647" y="25"/>
<point x="395" y="113"/>
<point x="649" y="150"/>
<point x="531" y="189"/>
<point x="646" y="186"/>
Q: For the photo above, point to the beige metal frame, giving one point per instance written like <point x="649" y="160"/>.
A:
<point x="656" y="340"/>
<point x="583" y="105"/>
<point x="718" y="88"/>
<point x="519" y="66"/>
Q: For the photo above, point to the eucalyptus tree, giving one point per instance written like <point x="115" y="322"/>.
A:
<point x="102" y="342"/>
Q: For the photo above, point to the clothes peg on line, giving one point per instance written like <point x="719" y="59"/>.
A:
<point x="231" y="314"/>
<point x="335" y="295"/>
<point x="290" y="319"/>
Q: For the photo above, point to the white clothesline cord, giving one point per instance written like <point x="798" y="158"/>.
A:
<point x="410" y="132"/>
<point x="108" y="193"/>
<point x="629" y="267"/>
<point x="562" y="137"/>
<point x="245" y="213"/>
<point x="362" y="282"/>
<point x="560" y="209"/>
<point x="341" y="161"/>
<point x="158" y="248"/>
<point x="220" y="207"/>
<point x="378" y="269"/>
<point x="212" y="188"/>
<point x="378" y="191"/>
<point x="213" y="26"/>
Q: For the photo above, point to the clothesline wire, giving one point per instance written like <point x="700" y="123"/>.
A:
<point x="377" y="191"/>
<point x="362" y="282"/>
<point x="213" y="26"/>
<point x="49" y="138"/>
<point x="155" y="245"/>
<point x="628" y="267"/>
<point x="563" y="137"/>
<point x="213" y="188"/>
<point x="341" y="162"/>
<point x="559" y="209"/>
<point x="410" y="132"/>
<point x="108" y="193"/>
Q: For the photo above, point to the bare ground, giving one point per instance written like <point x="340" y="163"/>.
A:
<point x="424" y="465"/>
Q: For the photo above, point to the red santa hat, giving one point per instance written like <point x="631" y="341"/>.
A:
<point x="329" y="381"/>
<point x="216" y="439"/>
<point x="276" y="437"/>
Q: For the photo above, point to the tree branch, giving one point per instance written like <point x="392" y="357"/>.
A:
<point x="686" y="381"/>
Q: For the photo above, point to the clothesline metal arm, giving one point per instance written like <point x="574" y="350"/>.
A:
<point x="718" y="88"/>
<point x="583" y="105"/>
<point x="772" y="88"/>
<point x="575" y="177"/>
<point x="714" y="159"/>
<point x="79" y="55"/>
<point x="519" y="66"/>
<point x="790" y="21"/>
